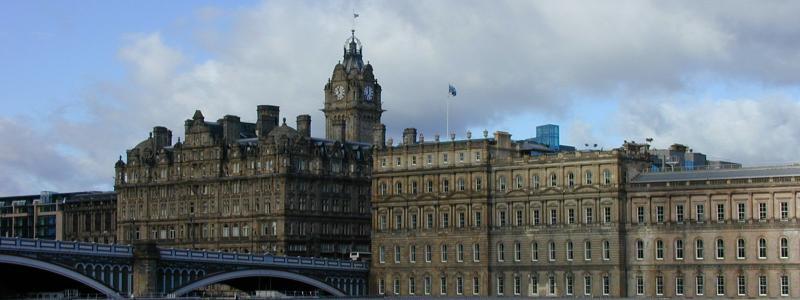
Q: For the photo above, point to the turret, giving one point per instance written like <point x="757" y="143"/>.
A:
<point x="162" y="137"/>
<point x="304" y="125"/>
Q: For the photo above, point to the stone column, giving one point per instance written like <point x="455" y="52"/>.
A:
<point x="145" y="268"/>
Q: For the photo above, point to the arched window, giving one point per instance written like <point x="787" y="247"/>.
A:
<point x="784" y="248"/>
<point x="659" y="249"/>
<point x="698" y="249"/>
<point x="587" y="250"/>
<point x="501" y="252"/>
<point x="606" y="250"/>
<point x="588" y="177"/>
<point x="678" y="249"/>
<point x="762" y="248"/>
<point x="720" y="249"/>
<point x="534" y="251"/>
<point x="570" y="251"/>
<point x="740" y="250"/>
<point x="639" y="249"/>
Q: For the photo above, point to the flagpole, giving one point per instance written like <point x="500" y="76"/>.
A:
<point x="447" y="114"/>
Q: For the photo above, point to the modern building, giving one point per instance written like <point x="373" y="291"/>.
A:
<point x="79" y="216"/>
<point x="680" y="157"/>
<point x="548" y="135"/>
<point x="262" y="186"/>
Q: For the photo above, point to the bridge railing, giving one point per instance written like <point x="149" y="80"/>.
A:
<point x="267" y="259"/>
<point x="14" y="243"/>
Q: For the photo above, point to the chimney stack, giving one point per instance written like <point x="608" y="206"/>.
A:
<point x="231" y="128"/>
<point x="410" y="136"/>
<point x="162" y="137"/>
<point x="304" y="125"/>
<point x="379" y="135"/>
<point x="268" y="116"/>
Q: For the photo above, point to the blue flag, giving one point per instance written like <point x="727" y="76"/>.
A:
<point x="452" y="90"/>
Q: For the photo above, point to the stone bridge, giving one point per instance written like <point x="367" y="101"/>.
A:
<point x="121" y="271"/>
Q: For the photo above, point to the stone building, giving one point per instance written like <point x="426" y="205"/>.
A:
<point x="714" y="233"/>
<point x="490" y="217"/>
<point x="484" y="217"/>
<point x="90" y="217"/>
<point x="263" y="186"/>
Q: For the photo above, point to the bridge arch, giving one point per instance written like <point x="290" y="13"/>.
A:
<point x="38" y="264"/>
<point x="257" y="273"/>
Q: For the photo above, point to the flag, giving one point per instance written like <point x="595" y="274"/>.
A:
<point x="355" y="15"/>
<point x="451" y="90"/>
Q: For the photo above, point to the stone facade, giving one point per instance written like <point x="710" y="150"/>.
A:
<point x="90" y="217"/>
<point x="263" y="186"/>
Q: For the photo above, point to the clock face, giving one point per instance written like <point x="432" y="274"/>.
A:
<point x="339" y="92"/>
<point x="368" y="93"/>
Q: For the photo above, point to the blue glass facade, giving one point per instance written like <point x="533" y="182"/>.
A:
<point x="548" y="135"/>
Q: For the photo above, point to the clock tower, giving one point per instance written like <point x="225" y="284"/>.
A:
<point x="352" y="98"/>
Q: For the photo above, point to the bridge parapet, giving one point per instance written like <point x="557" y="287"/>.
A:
<point x="264" y="260"/>
<point x="14" y="243"/>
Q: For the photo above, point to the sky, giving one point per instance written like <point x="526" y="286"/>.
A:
<point x="83" y="81"/>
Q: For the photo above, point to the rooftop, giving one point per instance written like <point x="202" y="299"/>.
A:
<point x="716" y="174"/>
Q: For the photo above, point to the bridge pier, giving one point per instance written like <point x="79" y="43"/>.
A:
<point x="145" y="268"/>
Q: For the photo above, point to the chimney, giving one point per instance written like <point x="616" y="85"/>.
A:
<point x="268" y="116"/>
<point x="503" y="139"/>
<point x="410" y="136"/>
<point x="304" y="125"/>
<point x="231" y="127"/>
<point x="379" y="135"/>
<point x="162" y="137"/>
<point x="339" y="130"/>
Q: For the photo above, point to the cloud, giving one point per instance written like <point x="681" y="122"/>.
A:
<point x="511" y="60"/>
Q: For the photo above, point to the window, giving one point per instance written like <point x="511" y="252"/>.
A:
<point x="551" y="283"/>
<point x="428" y="253"/>
<point x="518" y="181"/>
<point x="519" y="217"/>
<point x="741" y="285"/>
<point x="381" y="286"/>
<point x="476" y="286"/>
<point x="571" y="180"/>
<point x="607" y="214"/>
<point x="517" y="251"/>
<point x="382" y="189"/>
<point x="741" y="211"/>
<point x="381" y="254"/>
<point x="587" y="250"/>
<point x="398" y="221"/>
<point x="762" y="285"/>
<point x="659" y="249"/>
<point x="459" y="285"/>
<point x="501" y="252"/>
<point x="444" y="253"/>
<point x="588" y="177"/>
<point x="720" y="212"/>
<point x="397" y="254"/>
<point x="443" y="285"/>
<point x="570" y="282"/>
<point x="678" y="249"/>
<point x="502" y="218"/>
<point x="587" y="285"/>
<point x="606" y="177"/>
<point x="477" y="219"/>
<point x="382" y="221"/>
<point x="570" y="251"/>
<point x="535" y="182"/>
<point x="699" y="285"/>
<point x="553" y="180"/>
<point x="446" y="185"/>
<point x="606" y="250"/>
<point x="429" y="221"/>
<point x="762" y="248"/>
<point x="502" y="183"/>
<point x="413" y="187"/>
<point x="444" y="158"/>
<point x="534" y="251"/>
<point x="536" y="218"/>
<point x="429" y="159"/>
<point x="413" y="221"/>
<point x="639" y="285"/>
<point x="639" y="249"/>
<point x="414" y="160"/>
<point x="462" y="219"/>
<point x="445" y="220"/>
<point x="412" y="253"/>
<point x="460" y="156"/>
<point x="588" y="216"/>
<point x="720" y="249"/>
<point x="500" y="285"/>
<point x="762" y="211"/>
<point x="784" y="248"/>
<point x="679" y="285"/>
<point x="429" y="186"/>
<point x="720" y="285"/>
<point x="553" y="216"/>
<point x="412" y="286"/>
<point x="698" y="249"/>
<point x="426" y="285"/>
<point x="478" y="183"/>
<point x="784" y="211"/>
<point x="535" y="284"/>
<point x="571" y="216"/>
<point x="699" y="212"/>
<point x="740" y="250"/>
<point x="640" y="214"/>
<point x="606" y="285"/>
<point x="679" y="213"/>
<point x="660" y="214"/>
<point x="784" y="285"/>
<point x="551" y="249"/>
<point x="460" y="252"/>
<point x="517" y="285"/>
<point x="659" y="285"/>
<point x="476" y="252"/>
<point x="396" y="287"/>
<point x="398" y="188"/>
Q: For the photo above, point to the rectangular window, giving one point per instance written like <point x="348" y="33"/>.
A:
<point x="502" y="218"/>
<point x="476" y="286"/>
<point x="699" y="285"/>
<point x="587" y="285"/>
<point x="459" y="285"/>
<point x="517" y="285"/>
<point x="784" y="211"/>
<point x="462" y="219"/>
<point x="397" y="254"/>
<point x="679" y="213"/>
<point x="762" y="285"/>
<point x="607" y="214"/>
<point x="720" y="285"/>
<point x="659" y="249"/>
<point x="784" y="285"/>
<point x="762" y="211"/>
<point x="639" y="285"/>
<point x="679" y="285"/>
<point x="741" y="286"/>
<point x="445" y="220"/>
<point x="535" y="252"/>
<point x="535" y="284"/>
<point x="412" y="286"/>
<point x="659" y="285"/>
<point x="429" y="221"/>
<point x="444" y="253"/>
<point x="640" y="214"/>
<point x="606" y="285"/>
<point x="427" y="285"/>
<point x="477" y="220"/>
<point x="412" y="253"/>
<point x="551" y="249"/>
<point x="741" y="212"/>
<point x="571" y="216"/>
<point x="720" y="249"/>
<point x="553" y="217"/>
<point x="551" y="283"/>
<point x="396" y="287"/>
<point x="476" y="252"/>
<point x="660" y="214"/>
<point x="460" y="252"/>
<point x="569" y="280"/>
<point x="699" y="249"/>
<point x="588" y="217"/>
<point x="720" y="212"/>
<point x="536" y="218"/>
<point x="679" y="249"/>
<point x="381" y="254"/>
<point x="443" y="285"/>
<point x="430" y="159"/>
<point x="413" y="221"/>
<point x="517" y="251"/>
<point x="381" y="286"/>
<point x="700" y="212"/>
<point x="519" y="218"/>
<point x="570" y="251"/>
